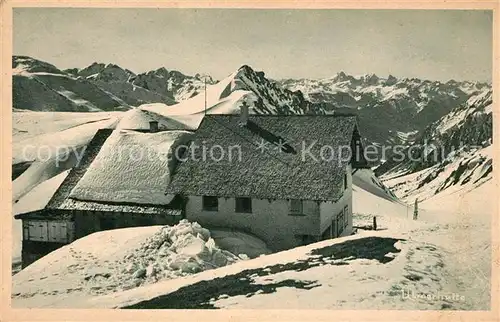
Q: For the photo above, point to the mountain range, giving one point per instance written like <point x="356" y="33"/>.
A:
<point x="391" y="111"/>
<point x="40" y="86"/>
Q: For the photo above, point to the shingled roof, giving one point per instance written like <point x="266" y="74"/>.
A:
<point x="279" y="171"/>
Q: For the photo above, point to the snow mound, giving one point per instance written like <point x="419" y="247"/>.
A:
<point x="175" y="251"/>
<point x="304" y="277"/>
<point x="132" y="257"/>
<point x="144" y="159"/>
<point x="239" y="243"/>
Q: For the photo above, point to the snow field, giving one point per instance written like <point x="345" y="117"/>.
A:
<point x="132" y="257"/>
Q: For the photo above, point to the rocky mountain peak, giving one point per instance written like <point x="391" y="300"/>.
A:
<point x="391" y="80"/>
<point x="341" y="77"/>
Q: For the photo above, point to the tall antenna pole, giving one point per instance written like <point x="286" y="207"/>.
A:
<point x="205" y="80"/>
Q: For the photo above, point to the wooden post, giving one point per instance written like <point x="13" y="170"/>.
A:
<point x="374" y="222"/>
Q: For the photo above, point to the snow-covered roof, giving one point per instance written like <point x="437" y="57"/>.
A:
<point x="138" y="119"/>
<point x="131" y="167"/>
<point x="39" y="196"/>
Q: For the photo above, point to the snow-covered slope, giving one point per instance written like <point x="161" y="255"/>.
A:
<point x="391" y="110"/>
<point x="462" y="170"/>
<point x="452" y="154"/>
<point x="47" y="143"/>
<point x="405" y="264"/>
<point x="39" y="86"/>
<point x="132" y="257"/>
<point x="139" y="119"/>
<point x="467" y="126"/>
<point x="36" y="199"/>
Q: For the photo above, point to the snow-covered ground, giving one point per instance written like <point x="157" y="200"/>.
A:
<point x="405" y="264"/>
<point x="51" y="143"/>
<point x="440" y="261"/>
<point x="132" y="257"/>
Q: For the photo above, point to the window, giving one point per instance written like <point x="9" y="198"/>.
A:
<point x="243" y="205"/>
<point x="296" y="207"/>
<point x="38" y="230"/>
<point x="345" y="180"/>
<point x="210" y="203"/>
<point x="58" y="231"/>
<point x="346" y="216"/>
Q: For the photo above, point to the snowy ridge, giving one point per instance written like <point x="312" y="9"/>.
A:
<point x="148" y="267"/>
<point x="388" y="106"/>
<point x="370" y="87"/>
<point x="226" y="96"/>
<point x="41" y="86"/>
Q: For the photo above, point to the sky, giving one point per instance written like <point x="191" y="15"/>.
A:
<point x="436" y="45"/>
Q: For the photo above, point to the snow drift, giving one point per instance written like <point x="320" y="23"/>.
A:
<point x="132" y="257"/>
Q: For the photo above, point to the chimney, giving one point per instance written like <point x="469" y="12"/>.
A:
<point x="243" y="114"/>
<point x="153" y="126"/>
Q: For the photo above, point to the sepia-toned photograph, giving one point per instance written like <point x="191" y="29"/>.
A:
<point x="244" y="158"/>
